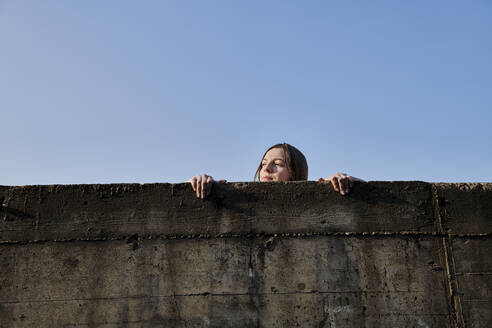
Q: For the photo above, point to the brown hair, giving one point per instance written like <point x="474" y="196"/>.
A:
<point x="294" y="159"/>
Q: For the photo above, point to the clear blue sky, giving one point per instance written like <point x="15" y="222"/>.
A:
<point x="158" y="91"/>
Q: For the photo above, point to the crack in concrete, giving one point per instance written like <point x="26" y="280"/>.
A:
<point x="473" y="274"/>
<point x="375" y="234"/>
<point x="455" y="306"/>
<point x="208" y="294"/>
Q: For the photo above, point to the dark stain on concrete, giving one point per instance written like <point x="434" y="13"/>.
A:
<point x="133" y="241"/>
<point x="71" y="263"/>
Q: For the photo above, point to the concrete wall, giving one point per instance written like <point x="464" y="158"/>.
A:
<point x="390" y="254"/>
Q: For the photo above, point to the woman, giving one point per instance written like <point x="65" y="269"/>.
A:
<point x="281" y="162"/>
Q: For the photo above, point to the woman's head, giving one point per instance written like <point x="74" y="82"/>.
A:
<point x="282" y="162"/>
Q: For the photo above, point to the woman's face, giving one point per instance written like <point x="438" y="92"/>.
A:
<point x="273" y="166"/>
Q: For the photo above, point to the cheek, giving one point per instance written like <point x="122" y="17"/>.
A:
<point x="283" y="175"/>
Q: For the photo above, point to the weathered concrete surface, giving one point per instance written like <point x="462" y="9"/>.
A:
<point x="114" y="211"/>
<point x="400" y="254"/>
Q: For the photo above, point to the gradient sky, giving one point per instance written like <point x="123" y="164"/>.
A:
<point x="158" y="91"/>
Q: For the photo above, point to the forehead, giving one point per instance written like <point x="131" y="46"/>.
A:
<point x="275" y="153"/>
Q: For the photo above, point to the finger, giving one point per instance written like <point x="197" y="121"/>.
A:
<point x="206" y="186"/>
<point x="193" y="183"/>
<point x="340" y="185"/>
<point x="198" y="185"/>
<point x="344" y="185"/>
<point x="203" y="186"/>
<point x="334" y="182"/>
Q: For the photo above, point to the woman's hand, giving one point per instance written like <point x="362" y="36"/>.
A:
<point x="341" y="182"/>
<point x="202" y="185"/>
